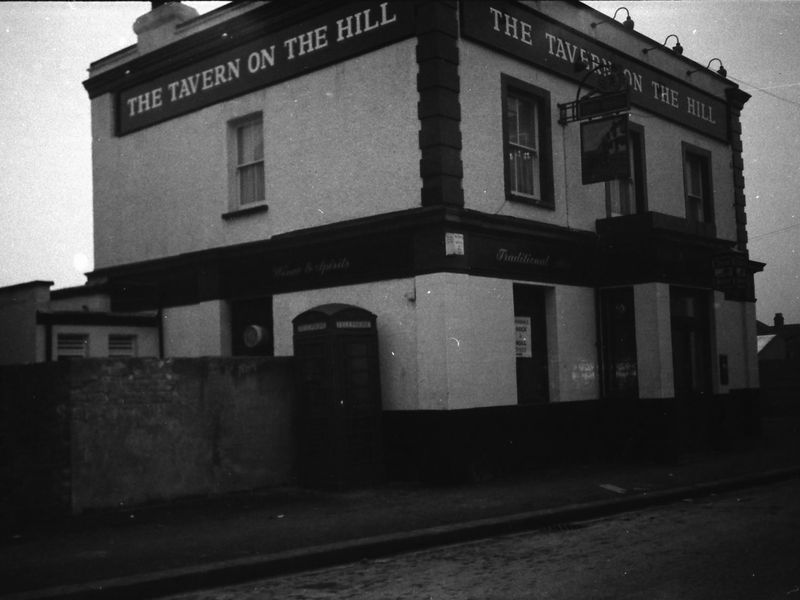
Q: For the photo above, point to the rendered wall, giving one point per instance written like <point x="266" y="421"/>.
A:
<point x="735" y="336"/>
<point x="576" y="205"/>
<point x="392" y="302"/>
<point x="465" y="330"/>
<point x="653" y="340"/>
<point x="340" y="143"/>
<point x="572" y="345"/>
<point x="195" y="330"/>
<point x="18" y="335"/>
<point x="452" y="347"/>
<point x="90" y="301"/>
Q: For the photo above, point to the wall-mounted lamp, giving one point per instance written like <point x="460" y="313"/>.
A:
<point x="677" y="48"/>
<point x="627" y="23"/>
<point x="722" y="71"/>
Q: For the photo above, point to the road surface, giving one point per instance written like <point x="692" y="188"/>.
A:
<point x="742" y="545"/>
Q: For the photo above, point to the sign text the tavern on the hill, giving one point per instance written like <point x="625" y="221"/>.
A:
<point x="330" y="38"/>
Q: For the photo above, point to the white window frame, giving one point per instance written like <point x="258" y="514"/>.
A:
<point x="699" y="202"/>
<point x="533" y="149"/>
<point x="623" y="194"/>
<point x="520" y="153"/>
<point x="237" y="166"/>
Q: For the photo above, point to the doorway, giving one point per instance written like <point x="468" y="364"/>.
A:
<point x="691" y="347"/>
<point x="531" y="344"/>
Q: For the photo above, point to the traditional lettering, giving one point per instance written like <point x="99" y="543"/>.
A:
<point x="522" y="258"/>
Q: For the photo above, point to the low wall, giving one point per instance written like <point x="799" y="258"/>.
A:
<point x="780" y="386"/>
<point x="34" y="442"/>
<point x="480" y="442"/>
<point x="142" y="430"/>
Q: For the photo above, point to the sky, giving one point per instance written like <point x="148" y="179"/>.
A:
<point x="45" y="145"/>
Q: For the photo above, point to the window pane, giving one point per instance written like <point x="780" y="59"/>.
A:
<point x="512" y="120"/>
<point x="251" y="183"/>
<point x="521" y="116"/>
<point x="258" y="176"/>
<point x="250" y="143"/>
<point x="695" y="209"/>
<point x="527" y="124"/>
<point x="625" y="196"/>
<point x="523" y="160"/>
<point x="695" y="177"/>
<point x="698" y="192"/>
<point x="522" y="171"/>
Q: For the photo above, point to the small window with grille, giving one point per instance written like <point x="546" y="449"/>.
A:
<point x="121" y="345"/>
<point x="72" y="345"/>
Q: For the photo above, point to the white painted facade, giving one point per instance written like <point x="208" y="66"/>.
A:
<point x="328" y="158"/>
<point x="343" y="144"/>
<point x="577" y="206"/>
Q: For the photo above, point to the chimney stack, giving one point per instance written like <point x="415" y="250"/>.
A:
<point x="778" y="321"/>
<point x="157" y="28"/>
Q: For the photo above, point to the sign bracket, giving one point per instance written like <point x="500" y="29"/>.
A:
<point x="611" y="98"/>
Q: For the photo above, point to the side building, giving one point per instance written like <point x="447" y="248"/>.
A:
<point x="427" y="161"/>
<point x="39" y="324"/>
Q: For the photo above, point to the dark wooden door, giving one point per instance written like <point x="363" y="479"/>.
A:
<point x="531" y="344"/>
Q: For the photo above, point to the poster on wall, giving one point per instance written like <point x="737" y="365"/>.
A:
<point x="522" y="326"/>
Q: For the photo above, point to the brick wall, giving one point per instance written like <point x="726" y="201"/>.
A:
<point x="106" y="433"/>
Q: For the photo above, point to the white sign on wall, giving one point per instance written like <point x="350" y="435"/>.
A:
<point x="522" y="327"/>
<point x="454" y="244"/>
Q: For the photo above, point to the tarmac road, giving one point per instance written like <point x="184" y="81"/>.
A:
<point x="739" y="545"/>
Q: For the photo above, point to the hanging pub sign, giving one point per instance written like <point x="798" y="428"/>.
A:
<point x="605" y="150"/>
<point x="603" y="104"/>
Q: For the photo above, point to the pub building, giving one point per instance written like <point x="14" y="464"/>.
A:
<point x="543" y="208"/>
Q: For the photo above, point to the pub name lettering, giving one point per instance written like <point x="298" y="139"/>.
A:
<point x="294" y="47"/>
<point x="523" y="32"/>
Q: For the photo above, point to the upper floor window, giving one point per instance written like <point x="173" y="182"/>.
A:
<point x="629" y="195"/>
<point x="526" y="141"/>
<point x="697" y="184"/>
<point x="247" y="162"/>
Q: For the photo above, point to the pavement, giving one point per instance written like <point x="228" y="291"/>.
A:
<point x="158" y="550"/>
